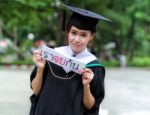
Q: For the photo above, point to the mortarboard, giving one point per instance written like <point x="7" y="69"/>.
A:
<point x="82" y="19"/>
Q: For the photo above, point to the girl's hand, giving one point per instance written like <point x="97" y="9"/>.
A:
<point x="87" y="76"/>
<point x="38" y="60"/>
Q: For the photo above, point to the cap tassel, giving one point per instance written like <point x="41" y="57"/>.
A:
<point x="63" y="20"/>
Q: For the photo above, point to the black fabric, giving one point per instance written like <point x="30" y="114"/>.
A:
<point x="64" y="97"/>
<point x="85" y="13"/>
<point x="33" y="100"/>
<point x="82" y="19"/>
<point x="97" y="88"/>
<point x="33" y="97"/>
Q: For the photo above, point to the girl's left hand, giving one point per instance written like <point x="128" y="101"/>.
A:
<point x="87" y="76"/>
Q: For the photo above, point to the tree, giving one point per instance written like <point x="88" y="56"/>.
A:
<point x="129" y="28"/>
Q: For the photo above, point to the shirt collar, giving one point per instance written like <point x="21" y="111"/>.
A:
<point x="84" y="56"/>
<point x="79" y="55"/>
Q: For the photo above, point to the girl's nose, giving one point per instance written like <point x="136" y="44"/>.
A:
<point x="77" y="39"/>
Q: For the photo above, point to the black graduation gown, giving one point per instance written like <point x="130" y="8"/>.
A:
<point x="64" y="97"/>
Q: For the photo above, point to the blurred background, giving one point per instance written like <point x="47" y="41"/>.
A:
<point x="123" y="46"/>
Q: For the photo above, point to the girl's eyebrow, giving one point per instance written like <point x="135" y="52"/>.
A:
<point x="73" y="30"/>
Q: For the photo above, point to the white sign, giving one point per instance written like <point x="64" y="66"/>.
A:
<point x="66" y="62"/>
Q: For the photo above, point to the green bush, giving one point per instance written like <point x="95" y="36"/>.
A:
<point x="27" y="61"/>
<point x="113" y="63"/>
<point x="20" y="62"/>
<point x="140" y="62"/>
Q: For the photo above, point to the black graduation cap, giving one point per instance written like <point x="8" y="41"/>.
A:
<point x="82" y="19"/>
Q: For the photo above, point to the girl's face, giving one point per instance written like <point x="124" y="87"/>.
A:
<point x="78" y="39"/>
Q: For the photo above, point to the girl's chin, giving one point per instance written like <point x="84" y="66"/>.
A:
<point x="76" y="51"/>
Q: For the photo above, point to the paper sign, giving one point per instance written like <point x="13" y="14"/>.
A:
<point x="57" y="58"/>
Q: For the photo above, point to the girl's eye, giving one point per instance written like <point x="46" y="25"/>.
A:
<point x="83" y="35"/>
<point x="73" y="33"/>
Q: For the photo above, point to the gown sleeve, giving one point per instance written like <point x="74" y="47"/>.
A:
<point x="33" y="74"/>
<point x="97" y="89"/>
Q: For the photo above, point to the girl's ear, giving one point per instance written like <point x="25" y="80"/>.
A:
<point x="93" y="35"/>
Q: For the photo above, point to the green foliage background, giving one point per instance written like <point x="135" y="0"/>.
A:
<point x="129" y="29"/>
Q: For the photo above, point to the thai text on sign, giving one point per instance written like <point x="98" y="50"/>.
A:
<point x="61" y="60"/>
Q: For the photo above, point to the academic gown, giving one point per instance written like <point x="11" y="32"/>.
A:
<point x="65" y="96"/>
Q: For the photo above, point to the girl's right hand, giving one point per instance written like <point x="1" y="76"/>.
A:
<point x="38" y="60"/>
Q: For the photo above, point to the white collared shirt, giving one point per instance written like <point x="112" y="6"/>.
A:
<point x="85" y="56"/>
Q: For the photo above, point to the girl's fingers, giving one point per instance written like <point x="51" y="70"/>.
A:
<point x="88" y="74"/>
<point x="86" y="70"/>
<point x="35" y="52"/>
